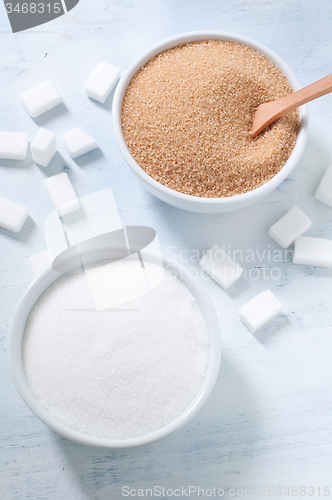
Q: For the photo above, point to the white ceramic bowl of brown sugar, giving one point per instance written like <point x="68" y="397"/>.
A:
<point x="182" y="117"/>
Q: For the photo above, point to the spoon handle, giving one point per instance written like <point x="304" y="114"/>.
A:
<point x="269" y="112"/>
<point x="307" y="94"/>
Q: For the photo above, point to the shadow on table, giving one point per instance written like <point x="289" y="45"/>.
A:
<point x="56" y="166"/>
<point x="50" y="115"/>
<point x="268" y="333"/>
<point x="108" y="104"/>
<point x="25" y="232"/>
<point x="13" y="164"/>
<point x="213" y="448"/>
<point x="90" y="157"/>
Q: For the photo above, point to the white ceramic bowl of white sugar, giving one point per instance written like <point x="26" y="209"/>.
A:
<point x="196" y="203"/>
<point x="28" y="385"/>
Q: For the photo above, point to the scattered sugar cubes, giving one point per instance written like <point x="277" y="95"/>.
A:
<point x="41" y="99"/>
<point x="78" y="142"/>
<point x="12" y="215"/>
<point x="289" y="227"/>
<point x="102" y="81"/>
<point x="13" y="146"/>
<point x="62" y="193"/>
<point x="43" y="147"/>
<point x="220" y="267"/>
<point x="39" y="262"/>
<point x="324" y="191"/>
<point x="259" y="310"/>
<point x="313" y="251"/>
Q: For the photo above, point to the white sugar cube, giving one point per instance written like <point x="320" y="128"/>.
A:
<point x="102" y="81"/>
<point x="289" y="227"/>
<point x="13" y="145"/>
<point x="78" y="142"/>
<point x="324" y="191"/>
<point x="12" y="215"/>
<point x="41" y="99"/>
<point x="220" y="267"/>
<point x="313" y="251"/>
<point x="259" y="310"/>
<point x="62" y="193"/>
<point x="39" y="262"/>
<point x="43" y="147"/>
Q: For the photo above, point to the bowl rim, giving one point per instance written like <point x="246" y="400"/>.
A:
<point x="188" y="37"/>
<point x="14" y="354"/>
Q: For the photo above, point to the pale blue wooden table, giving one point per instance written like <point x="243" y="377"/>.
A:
<point x="268" y="422"/>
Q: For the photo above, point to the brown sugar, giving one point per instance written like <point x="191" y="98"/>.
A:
<point x="187" y="115"/>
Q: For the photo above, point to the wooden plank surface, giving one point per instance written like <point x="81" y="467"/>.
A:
<point x="268" y="422"/>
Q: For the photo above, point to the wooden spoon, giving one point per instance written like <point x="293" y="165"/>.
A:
<point x="269" y="112"/>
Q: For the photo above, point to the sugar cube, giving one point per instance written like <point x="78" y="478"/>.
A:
<point x="324" y="191"/>
<point x="220" y="267"/>
<point x="313" y="251"/>
<point x="39" y="262"/>
<point x="62" y="193"/>
<point x="43" y="147"/>
<point x="12" y="215"/>
<point x="41" y="99"/>
<point x="78" y="142"/>
<point x="259" y="310"/>
<point x="13" y="145"/>
<point x="289" y="227"/>
<point x="102" y="81"/>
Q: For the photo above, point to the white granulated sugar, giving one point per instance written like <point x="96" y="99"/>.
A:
<point x="13" y="146"/>
<point x="12" y="215"/>
<point x="259" y="310"/>
<point x="102" y="81"/>
<point x="62" y="193"/>
<point x="41" y="99"/>
<point x="220" y="267"/>
<point x="313" y="251"/>
<point x="289" y="227"/>
<point x="78" y="142"/>
<point x="324" y="191"/>
<point x="43" y="147"/>
<point x="120" y="373"/>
